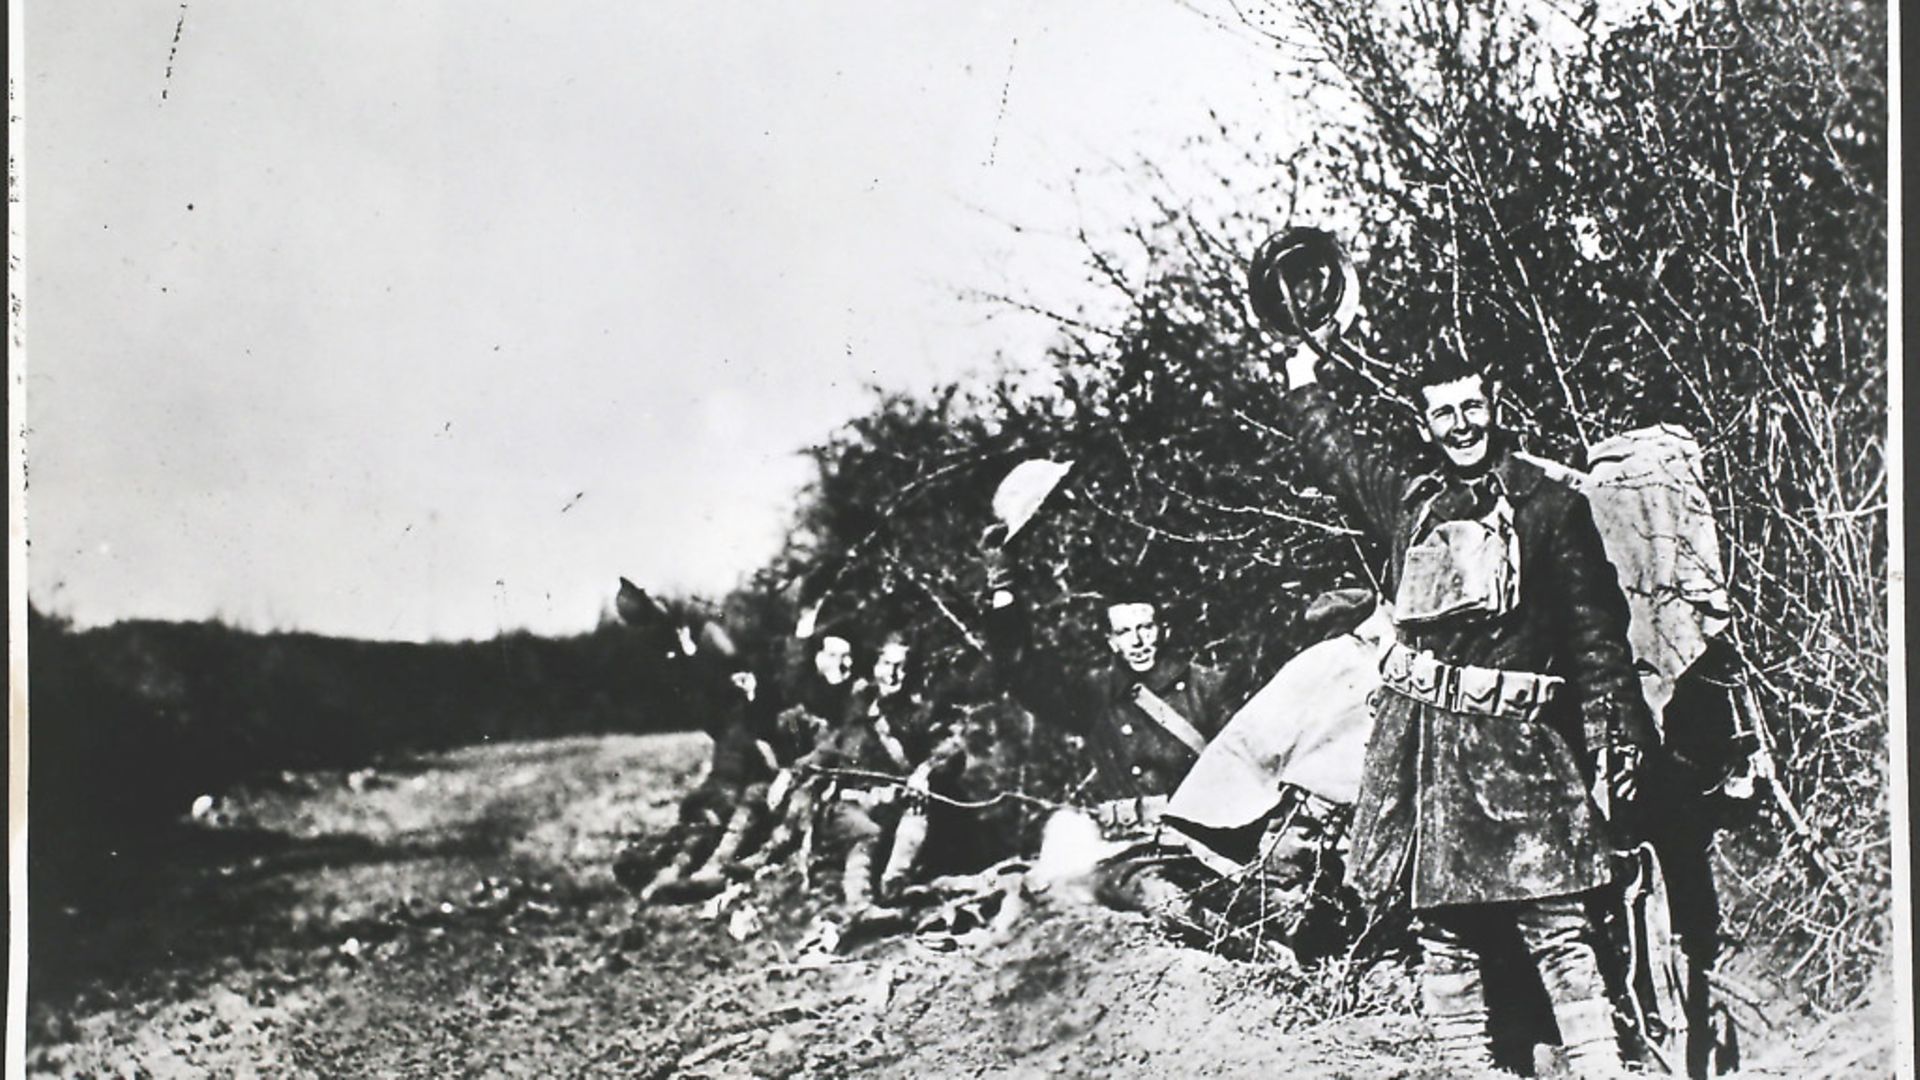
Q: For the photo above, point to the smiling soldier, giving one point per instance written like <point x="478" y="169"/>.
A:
<point x="1144" y="721"/>
<point x="889" y="730"/>
<point x="1509" y="687"/>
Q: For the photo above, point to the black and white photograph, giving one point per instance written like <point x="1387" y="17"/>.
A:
<point x="1100" y="538"/>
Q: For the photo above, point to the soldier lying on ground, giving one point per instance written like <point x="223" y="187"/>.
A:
<point x="1144" y="721"/>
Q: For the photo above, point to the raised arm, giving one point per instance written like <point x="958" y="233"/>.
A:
<point x="1035" y="678"/>
<point x="1366" y="483"/>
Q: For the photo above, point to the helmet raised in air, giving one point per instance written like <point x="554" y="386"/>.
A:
<point x="1310" y="265"/>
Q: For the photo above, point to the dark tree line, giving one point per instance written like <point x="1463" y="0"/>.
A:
<point x="132" y="722"/>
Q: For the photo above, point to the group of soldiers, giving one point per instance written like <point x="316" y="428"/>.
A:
<point x="1510" y="736"/>
<point x="856" y="756"/>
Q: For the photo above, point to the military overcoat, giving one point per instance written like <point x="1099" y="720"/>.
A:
<point x="1472" y="809"/>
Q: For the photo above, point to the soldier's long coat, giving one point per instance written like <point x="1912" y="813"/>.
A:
<point x="1486" y="810"/>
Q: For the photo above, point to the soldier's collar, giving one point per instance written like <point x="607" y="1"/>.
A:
<point x="1165" y="672"/>
<point x="1514" y="476"/>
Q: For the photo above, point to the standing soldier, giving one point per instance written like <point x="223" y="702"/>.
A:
<point x="1144" y="720"/>
<point x="1510" y="684"/>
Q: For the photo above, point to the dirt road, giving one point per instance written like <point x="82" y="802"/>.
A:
<point x="457" y="917"/>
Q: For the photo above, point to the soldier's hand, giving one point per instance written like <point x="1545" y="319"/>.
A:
<point x="1303" y="357"/>
<point x="921" y="781"/>
<point x="777" y="791"/>
<point x="746" y="683"/>
<point x="1619" y="766"/>
<point x="993" y="555"/>
<point x="1288" y="361"/>
<point x="765" y="750"/>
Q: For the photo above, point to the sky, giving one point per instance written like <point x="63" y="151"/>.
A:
<point x="430" y="320"/>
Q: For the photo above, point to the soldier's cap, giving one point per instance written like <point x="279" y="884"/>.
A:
<point x="1337" y="612"/>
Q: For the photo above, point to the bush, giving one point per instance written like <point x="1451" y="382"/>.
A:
<point x="1679" y="218"/>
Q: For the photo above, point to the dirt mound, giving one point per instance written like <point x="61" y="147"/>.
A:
<point x="1060" y="991"/>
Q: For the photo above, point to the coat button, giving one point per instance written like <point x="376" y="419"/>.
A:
<point x="1136" y="770"/>
<point x="1180" y="686"/>
<point x="1126" y="729"/>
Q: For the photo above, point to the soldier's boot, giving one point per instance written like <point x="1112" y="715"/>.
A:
<point x="1456" y="1009"/>
<point x="856" y="879"/>
<point x="1588" y="1038"/>
<point x="724" y="853"/>
<point x="789" y="830"/>
<point x="671" y="874"/>
<point x="909" y="836"/>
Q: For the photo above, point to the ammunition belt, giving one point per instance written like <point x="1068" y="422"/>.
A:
<point x="1463" y="688"/>
<point x="1127" y="816"/>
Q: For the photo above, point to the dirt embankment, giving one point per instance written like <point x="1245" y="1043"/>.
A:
<point x="458" y="917"/>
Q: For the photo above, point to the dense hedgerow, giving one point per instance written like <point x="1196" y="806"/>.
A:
<point x="1677" y="217"/>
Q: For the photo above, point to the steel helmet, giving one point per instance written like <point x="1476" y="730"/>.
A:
<point x="1309" y="264"/>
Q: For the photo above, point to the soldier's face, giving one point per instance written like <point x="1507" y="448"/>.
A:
<point x="1458" y="418"/>
<point x="890" y="670"/>
<point x="1133" y="632"/>
<point x="834" y="661"/>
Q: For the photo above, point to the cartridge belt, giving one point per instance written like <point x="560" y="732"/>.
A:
<point x="1482" y="691"/>
<point x="1132" y="815"/>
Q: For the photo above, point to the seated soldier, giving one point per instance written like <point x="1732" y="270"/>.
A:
<point x="736" y="781"/>
<point x="1144" y="721"/>
<point x="889" y="734"/>
<point x="699" y="676"/>
<point x="790" y="800"/>
<point x="934" y="745"/>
